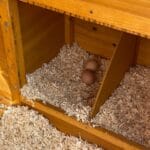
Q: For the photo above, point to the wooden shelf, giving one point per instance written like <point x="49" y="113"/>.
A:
<point x="131" y="16"/>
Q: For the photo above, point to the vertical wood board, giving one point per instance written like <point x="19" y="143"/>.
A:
<point x="10" y="49"/>
<point x="122" y="59"/>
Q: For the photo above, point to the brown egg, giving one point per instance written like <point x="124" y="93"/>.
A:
<point x="91" y="64"/>
<point x="88" y="77"/>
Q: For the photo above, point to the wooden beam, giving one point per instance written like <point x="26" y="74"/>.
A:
<point x="10" y="50"/>
<point x="122" y="59"/>
<point x="69" y="30"/>
<point x="13" y="6"/>
<point x="70" y="126"/>
<point x="129" y="16"/>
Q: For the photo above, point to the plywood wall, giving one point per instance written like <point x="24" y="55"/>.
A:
<point x="98" y="39"/>
<point x="102" y="40"/>
<point x="42" y="34"/>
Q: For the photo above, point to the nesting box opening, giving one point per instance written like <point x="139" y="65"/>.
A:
<point x="38" y="51"/>
<point x="54" y="63"/>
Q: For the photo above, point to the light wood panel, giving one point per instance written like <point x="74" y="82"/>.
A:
<point x="70" y="126"/>
<point x="95" y="38"/>
<point x="42" y="35"/>
<point x="18" y="40"/>
<point x="4" y="85"/>
<point x="10" y="50"/>
<point x="130" y="16"/>
<point x="123" y="57"/>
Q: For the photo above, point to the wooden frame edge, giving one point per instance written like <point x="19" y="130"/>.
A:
<point x="13" y="6"/>
<point x="69" y="30"/>
<point x="90" y="13"/>
<point x="70" y="126"/>
<point x="10" y="49"/>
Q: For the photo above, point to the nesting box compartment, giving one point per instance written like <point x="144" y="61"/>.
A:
<point x="32" y="35"/>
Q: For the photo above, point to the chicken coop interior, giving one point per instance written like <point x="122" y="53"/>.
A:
<point x="44" y="54"/>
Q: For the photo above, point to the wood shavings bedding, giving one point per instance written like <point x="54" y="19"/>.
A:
<point x="126" y="112"/>
<point x="24" y="129"/>
<point x="59" y="82"/>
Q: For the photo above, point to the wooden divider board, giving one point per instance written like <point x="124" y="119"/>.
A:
<point x="70" y="126"/>
<point x="123" y="57"/>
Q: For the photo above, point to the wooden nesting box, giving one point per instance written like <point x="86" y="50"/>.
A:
<point x="114" y="30"/>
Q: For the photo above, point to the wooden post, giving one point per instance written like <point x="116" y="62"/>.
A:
<point x="122" y="59"/>
<point x="69" y="30"/>
<point x="13" y="6"/>
<point x="12" y="45"/>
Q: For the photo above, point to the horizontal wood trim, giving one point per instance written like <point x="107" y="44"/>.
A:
<point x="130" y="16"/>
<point x="70" y="126"/>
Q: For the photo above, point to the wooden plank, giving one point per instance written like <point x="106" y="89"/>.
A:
<point x="33" y="103"/>
<point x="143" y="52"/>
<point x="10" y="50"/>
<point x="41" y="39"/>
<point x="103" y="41"/>
<point x="4" y="85"/>
<point x="129" y="16"/>
<point x="69" y="30"/>
<point x="13" y="5"/>
<point x="70" y="126"/>
<point x="96" y="39"/>
<point x="121" y="60"/>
